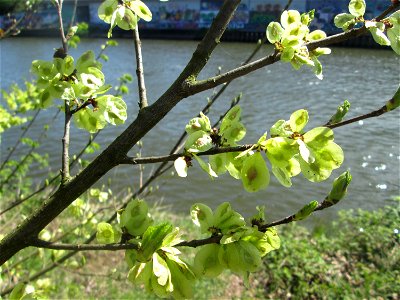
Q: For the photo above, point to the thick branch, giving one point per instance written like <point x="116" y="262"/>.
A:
<point x="139" y="70"/>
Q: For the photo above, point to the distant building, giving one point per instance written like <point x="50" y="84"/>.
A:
<point x="251" y="16"/>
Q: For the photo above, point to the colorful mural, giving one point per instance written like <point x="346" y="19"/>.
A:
<point x="251" y="15"/>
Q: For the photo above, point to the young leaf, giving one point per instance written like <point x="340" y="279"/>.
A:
<point x="289" y="17"/>
<point x="255" y="174"/>
<point x="357" y="7"/>
<point x="274" y="32"/>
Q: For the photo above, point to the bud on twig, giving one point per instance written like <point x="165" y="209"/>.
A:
<point x="305" y="211"/>
<point x="339" y="188"/>
<point x="394" y="102"/>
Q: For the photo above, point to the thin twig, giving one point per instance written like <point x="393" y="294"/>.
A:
<point x="82" y="247"/>
<point x="17" y="143"/>
<point x="372" y="114"/>
<point x="139" y="69"/>
<point x="172" y="157"/>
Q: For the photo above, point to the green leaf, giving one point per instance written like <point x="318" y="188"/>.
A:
<point x="287" y="54"/>
<point x="329" y="156"/>
<point x="105" y="233"/>
<point x="89" y="119"/>
<point x="85" y="61"/>
<point x="318" y="68"/>
<point x="233" y="115"/>
<point x="140" y="9"/>
<point x="379" y="36"/>
<point x="218" y="163"/>
<point x="280" y="150"/>
<point x="321" y="51"/>
<point x="289" y="17"/>
<point x="106" y="10"/>
<point x="201" y="123"/>
<point x="357" y="7"/>
<point x="160" y="269"/>
<point x="130" y="257"/>
<point x="255" y="174"/>
<point x="233" y="133"/>
<point x="282" y="175"/>
<point x="298" y="120"/>
<point x="198" y="141"/>
<point x="264" y="242"/>
<point x="318" y="137"/>
<point x="135" y="217"/>
<point x="306" y="18"/>
<point x="316" y="35"/>
<point x="206" y="262"/>
<point x="202" y="216"/>
<point x="281" y="128"/>
<point x="152" y="240"/>
<point x="344" y="21"/>
<point x="233" y="165"/>
<point x="182" y="279"/>
<point x="274" y="32"/>
<point x="394" y="38"/>
<point x="313" y="171"/>
<point x="18" y="291"/>
<point x="306" y="153"/>
<point x="113" y="109"/>
<point x="206" y="167"/>
<point x="127" y="21"/>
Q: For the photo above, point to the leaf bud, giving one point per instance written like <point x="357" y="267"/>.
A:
<point x="306" y="211"/>
<point x="340" y="113"/>
<point x="339" y="188"/>
<point x="394" y="102"/>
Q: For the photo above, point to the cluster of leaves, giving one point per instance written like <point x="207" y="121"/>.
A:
<point x="391" y="25"/>
<point x="290" y="150"/>
<point x="155" y="261"/>
<point x="79" y="85"/>
<point x="125" y="13"/>
<point x="19" y="101"/>
<point x="290" y="36"/>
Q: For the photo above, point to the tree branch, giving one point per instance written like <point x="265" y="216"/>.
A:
<point x="81" y="247"/>
<point x="372" y="114"/>
<point x="172" y="157"/>
<point x="139" y="69"/>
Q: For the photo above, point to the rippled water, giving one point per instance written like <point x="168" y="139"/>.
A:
<point x="367" y="78"/>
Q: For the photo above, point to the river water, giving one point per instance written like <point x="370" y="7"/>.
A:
<point x="366" y="77"/>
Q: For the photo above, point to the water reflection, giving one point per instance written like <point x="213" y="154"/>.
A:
<point x="365" y="77"/>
